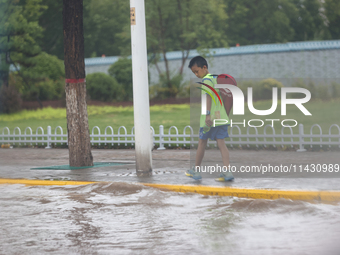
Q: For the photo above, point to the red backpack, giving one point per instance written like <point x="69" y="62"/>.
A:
<point x="226" y="95"/>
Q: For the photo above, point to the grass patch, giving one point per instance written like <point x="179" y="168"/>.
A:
<point x="324" y="113"/>
<point x="101" y="116"/>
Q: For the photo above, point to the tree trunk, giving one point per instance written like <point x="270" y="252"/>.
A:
<point x="77" y="120"/>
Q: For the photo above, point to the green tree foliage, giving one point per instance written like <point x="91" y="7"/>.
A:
<point x="332" y="13"/>
<point x="102" y="87"/>
<point x="29" y="26"/>
<point x="275" y="21"/>
<point x="45" y="66"/>
<point x="51" y="21"/>
<point x="182" y="25"/>
<point x="104" y="23"/>
<point x="20" y="31"/>
<point x="188" y="24"/>
<point x="38" y="74"/>
<point x="122" y="72"/>
<point x="310" y="23"/>
<point x="106" y="27"/>
<point x="254" y="22"/>
<point x="19" y="24"/>
<point x="46" y="78"/>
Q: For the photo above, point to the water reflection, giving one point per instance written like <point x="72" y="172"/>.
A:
<point x="121" y="218"/>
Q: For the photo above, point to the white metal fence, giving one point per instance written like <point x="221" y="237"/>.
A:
<point x="174" y="138"/>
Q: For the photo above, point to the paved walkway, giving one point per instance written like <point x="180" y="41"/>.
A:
<point x="169" y="167"/>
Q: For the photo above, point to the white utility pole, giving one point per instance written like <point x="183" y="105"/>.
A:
<point x="140" y="89"/>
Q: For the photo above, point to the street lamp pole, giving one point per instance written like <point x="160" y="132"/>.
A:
<point x="140" y="89"/>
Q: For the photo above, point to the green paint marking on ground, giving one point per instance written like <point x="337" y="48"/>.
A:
<point x="68" y="167"/>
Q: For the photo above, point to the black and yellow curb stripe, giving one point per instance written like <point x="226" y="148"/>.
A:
<point x="322" y="196"/>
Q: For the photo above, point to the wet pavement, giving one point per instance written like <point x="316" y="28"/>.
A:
<point x="124" y="217"/>
<point x="169" y="166"/>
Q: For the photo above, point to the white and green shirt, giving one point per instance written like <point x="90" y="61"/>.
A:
<point x="217" y="110"/>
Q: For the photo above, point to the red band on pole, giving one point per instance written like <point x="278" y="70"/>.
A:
<point x="75" y="80"/>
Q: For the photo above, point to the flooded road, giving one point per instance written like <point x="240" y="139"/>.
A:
<point x="125" y="218"/>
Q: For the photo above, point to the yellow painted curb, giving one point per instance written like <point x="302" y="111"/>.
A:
<point x="324" y="196"/>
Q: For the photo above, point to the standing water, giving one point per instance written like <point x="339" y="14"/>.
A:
<point x="123" y="218"/>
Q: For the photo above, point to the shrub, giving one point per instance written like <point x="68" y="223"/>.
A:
<point x="300" y="83"/>
<point x="335" y="88"/>
<point x="187" y="89"/>
<point x="322" y="92"/>
<point x="44" y="79"/>
<point x="319" y="91"/>
<point x="122" y="72"/>
<point x="103" y="87"/>
<point x="263" y="89"/>
<point x="10" y="99"/>
<point x="46" y="89"/>
<point x="243" y="84"/>
<point x="44" y="66"/>
<point x="162" y="90"/>
<point x="184" y="91"/>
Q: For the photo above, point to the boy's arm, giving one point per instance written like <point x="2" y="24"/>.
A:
<point x="208" y="117"/>
<point x="209" y="82"/>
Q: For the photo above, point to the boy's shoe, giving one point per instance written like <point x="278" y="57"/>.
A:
<point x="193" y="174"/>
<point x="225" y="177"/>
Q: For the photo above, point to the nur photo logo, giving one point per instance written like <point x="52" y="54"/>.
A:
<point x="236" y="96"/>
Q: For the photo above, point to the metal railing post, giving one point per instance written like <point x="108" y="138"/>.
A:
<point x="49" y="134"/>
<point x="161" y="138"/>
<point x="301" y="140"/>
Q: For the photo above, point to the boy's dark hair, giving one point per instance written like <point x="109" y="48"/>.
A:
<point x="199" y="61"/>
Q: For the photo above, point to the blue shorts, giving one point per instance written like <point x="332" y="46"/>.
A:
<point x="219" y="132"/>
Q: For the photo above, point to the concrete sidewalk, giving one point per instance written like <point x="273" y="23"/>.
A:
<point x="169" y="167"/>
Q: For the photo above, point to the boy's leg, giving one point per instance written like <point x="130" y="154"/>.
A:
<point x="224" y="176"/>
<point x="224" y="151"/>
<point x="202" y="143"/>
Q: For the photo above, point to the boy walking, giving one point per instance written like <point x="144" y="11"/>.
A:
<point x="199" y="67"/>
